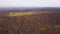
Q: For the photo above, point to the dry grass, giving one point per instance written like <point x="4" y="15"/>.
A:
<point x="20" y="13"/>
<point x="24" y="13"/>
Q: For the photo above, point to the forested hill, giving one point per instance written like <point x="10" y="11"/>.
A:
<point x="5" y="10"/>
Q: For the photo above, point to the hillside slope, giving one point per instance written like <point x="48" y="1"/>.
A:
<point x="37" y="23"/>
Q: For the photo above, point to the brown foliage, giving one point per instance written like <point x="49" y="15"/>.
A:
<point x="42" y="23"/>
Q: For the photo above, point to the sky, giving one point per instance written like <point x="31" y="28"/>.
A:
<point x="29" y="3"/>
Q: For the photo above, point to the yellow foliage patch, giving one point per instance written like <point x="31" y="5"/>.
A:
<point x="23" y="13"/>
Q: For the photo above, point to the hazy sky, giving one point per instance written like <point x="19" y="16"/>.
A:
<point x="29" y="3"/>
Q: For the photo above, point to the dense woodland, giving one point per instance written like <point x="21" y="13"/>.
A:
<point x="42" y="23"/>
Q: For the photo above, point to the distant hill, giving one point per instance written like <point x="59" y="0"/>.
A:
<point x="30" y="8"/>
<point x="5" y="10"/>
